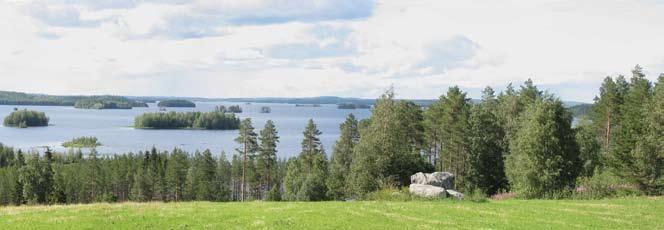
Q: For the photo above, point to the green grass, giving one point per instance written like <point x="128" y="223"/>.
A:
<point x="628" y="213"/>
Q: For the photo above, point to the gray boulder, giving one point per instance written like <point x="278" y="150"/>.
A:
<point x="440" y="179"/>
<point x="429" y="191"/>
<point x="455" y="194"/>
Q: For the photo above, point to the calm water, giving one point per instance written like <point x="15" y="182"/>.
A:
<point x="113" y="128"/>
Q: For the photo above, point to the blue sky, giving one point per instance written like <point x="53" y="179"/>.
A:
<point x="300" y="48"/>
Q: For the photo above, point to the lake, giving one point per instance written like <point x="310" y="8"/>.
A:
<point x="114" y="131"/>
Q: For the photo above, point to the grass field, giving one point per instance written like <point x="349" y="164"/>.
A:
<point x="628" y="213"/>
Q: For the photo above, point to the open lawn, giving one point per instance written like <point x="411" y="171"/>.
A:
<point x="627" y="213"/>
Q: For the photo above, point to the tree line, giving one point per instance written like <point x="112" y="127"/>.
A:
<point x="183" y="120"/>
<point x="519" y="140"/>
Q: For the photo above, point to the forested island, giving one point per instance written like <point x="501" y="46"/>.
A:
<point x="26" y="118"/>
<point x="353" y="106"/>
<point x="229" y="109"/>
<point x="266" y="109"/>
<point x="177" y="103"/>
<point x="107" y="102"/>
<point x="82" y="142"/>
<point x="82" y="102"/>
<point x="187" y="120"/>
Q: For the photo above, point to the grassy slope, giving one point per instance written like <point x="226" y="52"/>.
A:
<point x="633" y="213"/>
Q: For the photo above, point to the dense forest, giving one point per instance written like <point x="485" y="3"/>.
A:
<point x="520" y="141"/>
<point x="26" y="118"/>
<point x="107" y="102"/>
<point x="86" y="102"/>
<point x="176" y="103"/>
<point x="187" y="120"/>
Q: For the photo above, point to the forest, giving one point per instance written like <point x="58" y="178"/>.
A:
<point x="84" y="102"/>
<point x="176" y="103"/>
<point x="26" y="118"/>
<point x="187" y="120"/>
<point x="519" y="141"/>
<point x="107" y="102"/>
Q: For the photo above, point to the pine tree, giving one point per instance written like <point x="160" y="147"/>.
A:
<point x="342" y="157"/>
<point x="486" y="167"/>
<point x="605" y="113"/>
<point x="249" y="146"/>
<point x="454" y="151"/>
<point x="267" y="156"/>
<point x="544" y="157"/>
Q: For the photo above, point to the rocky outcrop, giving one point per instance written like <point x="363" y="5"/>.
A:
<point x="433" y="185"/>
<point x="439" y="179"/>
<point x="455" y="194"/>
<point x="428" y="191"/>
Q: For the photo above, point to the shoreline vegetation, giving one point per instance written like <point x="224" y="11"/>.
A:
<point x="107" y="102"/>
<point x="26" y="118"/>
<point x="187" y="120"/>
<point x="82" y="142"/>
<point x="176" y="103"/>
<point x="82" y="102"/>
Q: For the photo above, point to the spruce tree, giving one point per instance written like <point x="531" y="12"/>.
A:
<point x="176" y="174"/>
<point x="267" y="156"/>
<point x="342" y="157"/>
<point x="632" y="129"/>
<point x="305" y="179"/>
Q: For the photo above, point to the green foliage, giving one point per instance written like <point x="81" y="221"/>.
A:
<point x="247" y="138"/>
<point x="543" y="159"/>
<point x="267" y="156"/>
<point x="342" y="158"/>
<point x="389" y="150"/>
<point x="176" y="103"/>
<point x="306" y="175"/>
<point x="190" y="120"/>
<point x="26" y="118"/>
<point x="486" y="170"/>
<point x="82" y="142"/>
<point x="589" y="148"/>
<point x="107" y="102"/>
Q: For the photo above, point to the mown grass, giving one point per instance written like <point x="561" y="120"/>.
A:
<point x="627" y="213"/>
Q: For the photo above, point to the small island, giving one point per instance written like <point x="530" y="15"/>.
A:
<point x="307" y="105"/>
<point x="177" y="103"/>
<point x="107" y="102"/>
<point x="353" y="106"/>
<point x="229" y="109"/>
<point x="26" y="118"/>
<point x="82" y="142"/>
<point x="187" y="120"/>
<point x="266" y="109"/>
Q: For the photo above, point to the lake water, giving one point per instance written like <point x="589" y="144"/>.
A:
<point x="114" y="131"/>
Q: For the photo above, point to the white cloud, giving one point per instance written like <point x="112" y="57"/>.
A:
<point x="323" y="47"/>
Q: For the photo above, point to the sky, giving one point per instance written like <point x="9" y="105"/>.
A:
<point x="304" y="48"/>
